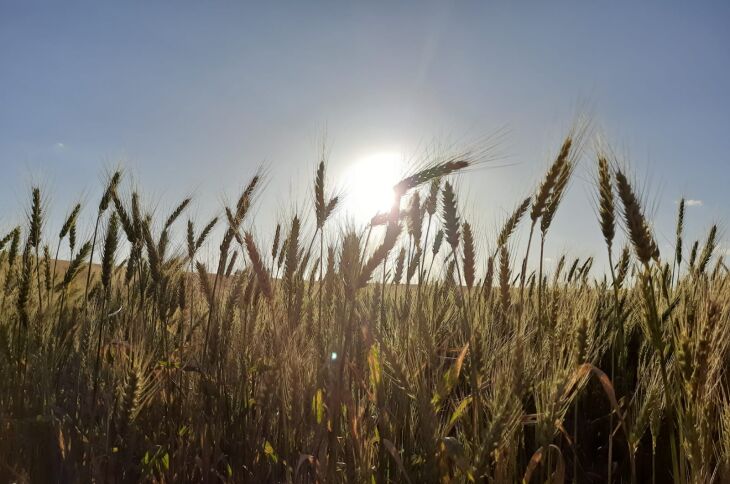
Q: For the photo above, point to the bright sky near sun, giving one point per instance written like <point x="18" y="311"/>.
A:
<point x="192" y="97"/>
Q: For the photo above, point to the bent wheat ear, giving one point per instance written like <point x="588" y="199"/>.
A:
<point x="707" y="250"/>
<point x="282" y="253"/>
<point x="469" y="255"/>
<point x="190" y="239"/>
<point x="551" y="178"/>
<point x="176" y="213"/>
<point x="262" y="274"/>
<point x="450" y="216"/>
<point x="320" y="207"/>
<point x="152" y="255"/>
<point x="571" y="271"/>
<point x="205" y="232"/>
<point x="693" y="254"/>
<point x="605" y="201"/>
<point x="130" y="396"/>
<point x="231" y="264"/>
<point x="391" y="237"/>
<point x="703" y="348"/>
<point x="437" y="241"/>
<point x="128" y="224"/>
<point x="639" y="232"/>
<point x="680" y="230"/>
<point x="47" y="267"/>
<point x="511" y="224"/>
<point x="14" y="246"/>
<point x="110" y="191"/>
<point x="414" y="219"/>
<point x="331" y="206"/>
<point x="110" y="247"/>
<point x="413" y="266"/>
<point x="622" y="265"/>
<point x="556" y="195"/>
<point x="75" y="265"/>
<point x="244" y="202"/>
<point x="581" y="338"/>
<point x="431" y="202"/>
<point x="275" y="245"/>
<point x="136" y="214"/>
<point x="559" y="269"/>
<point x="504" y="276"/>
<point x="291" y="262"/>
<point x="12" y="235"/>
<point x="399" y="264"/>
<point x="72" y="237"/>
<point x="380" y="218"/>
<point x="35" y="219"/>
<point x="488" y="279"/>
<point x="164" y="239"/>
<point x="5" y="239"/>
<point x="70" y="221"/>
<point x="24" y="286"/>
<point x="205" y="283"/>
<point x="436" y="171"/>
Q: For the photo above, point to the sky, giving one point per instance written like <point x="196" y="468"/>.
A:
<point x="191" y="98"/>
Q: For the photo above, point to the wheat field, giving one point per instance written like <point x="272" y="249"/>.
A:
<point x="410" y="350"/>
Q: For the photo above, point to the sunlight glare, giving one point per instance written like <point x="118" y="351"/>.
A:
<point x="369" y="185"/>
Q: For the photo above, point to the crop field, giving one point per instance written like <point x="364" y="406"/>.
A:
<point x="412" y="350"/>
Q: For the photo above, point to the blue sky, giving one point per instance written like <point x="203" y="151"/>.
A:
<point x="191" y="97"/>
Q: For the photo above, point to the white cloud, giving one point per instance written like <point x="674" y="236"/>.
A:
<point x="693" y="203"/>
<point x="59" y="146"/>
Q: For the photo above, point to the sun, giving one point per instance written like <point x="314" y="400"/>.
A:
<point x="368" y="184"/>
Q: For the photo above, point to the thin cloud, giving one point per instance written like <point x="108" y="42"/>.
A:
<point x="691" y="202"/>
